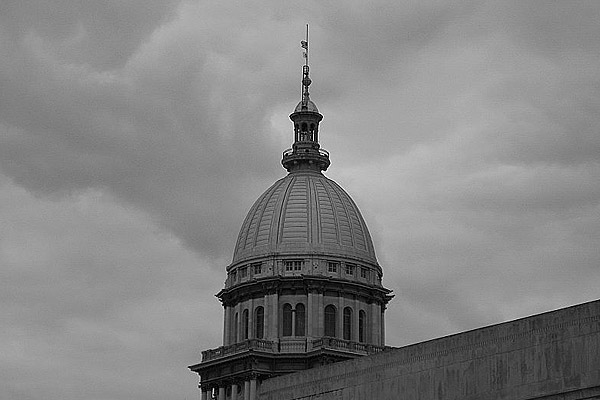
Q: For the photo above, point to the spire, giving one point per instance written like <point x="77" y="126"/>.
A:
<point x="305" y="73"/>
<point x="306" y="153"/>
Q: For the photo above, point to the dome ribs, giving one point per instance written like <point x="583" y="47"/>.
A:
<point x="341" y="215"/>
<point x="313" y="214"/>
<point x="357" y="223"/>
<point x="243" y="236"/>
<point x="263" y="227"/>
<point x="329" y="223"/>
<point x="250" y="239"/>
<point x="295" y="221"/>
<point x="304" y="212"/>
<point x="368" y="243"/>
<point x="278" y="225"/>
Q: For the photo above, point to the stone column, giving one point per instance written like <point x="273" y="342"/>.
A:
<point x="267" y="322"/>
<point x="309" y="315"/>
<point x="340" y="320"/>
<point x="355" y="315"/>
<point x="227" y="326"/>
<point x="251" y="319"/>
<point x="376" y="324"/>
<point x="293" y="322"/>
<point x="382" y="320"/>
<point x="238" y="328"/>
<point x="222" y="393"/>
<point x="246" y="390"/>
<point x="234" y="390"/>
<point x="253" y="389"/>
<point x="320" y="314"/>
<point x="274" y="328"/>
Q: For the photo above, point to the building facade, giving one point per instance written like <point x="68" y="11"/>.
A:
<point x="549" y="356"/>
<point x="304" y="288"/>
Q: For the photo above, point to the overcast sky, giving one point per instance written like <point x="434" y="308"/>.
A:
<point x="135" y="135"/>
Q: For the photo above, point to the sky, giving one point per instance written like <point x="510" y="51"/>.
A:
<point x="135" y="135"/>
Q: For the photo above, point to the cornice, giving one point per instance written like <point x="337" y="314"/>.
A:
<point x="307" y="283"/>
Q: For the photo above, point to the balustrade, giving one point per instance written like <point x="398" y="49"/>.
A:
<point x="250" y="344"/>
<point x="291" y="345"/>
<point x="346" y="345"/>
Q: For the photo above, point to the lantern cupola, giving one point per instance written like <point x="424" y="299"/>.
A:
<point x="306" y="152"/>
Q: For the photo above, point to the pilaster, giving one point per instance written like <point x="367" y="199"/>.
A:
<point x="310" y="314"/>
<point x="227" y="325"/>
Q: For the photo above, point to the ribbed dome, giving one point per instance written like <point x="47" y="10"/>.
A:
<point x="307" y="213"/>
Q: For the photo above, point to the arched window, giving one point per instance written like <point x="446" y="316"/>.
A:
<point x="330" y="317"/>
<point x="362" y="321"/>
<point x="347" y="323"/>
<point x="287" y="320"/>
<point x="304" y="131"/>
<point x="235" y="328"/>
<point x="245" y="325"/>
<point x="300" y="320"/>
<point x="259" y="322"/>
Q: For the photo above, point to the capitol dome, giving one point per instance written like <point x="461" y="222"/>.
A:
<point x="304" y="287"/>
<point x="304" y="213"/>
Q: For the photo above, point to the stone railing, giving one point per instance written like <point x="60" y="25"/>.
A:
<point x="251" y="344"/>
<point x="291" y="345"/>
<point x="345" y="345"/>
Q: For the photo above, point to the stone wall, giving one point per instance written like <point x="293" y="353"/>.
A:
<point x="555" y="355"/>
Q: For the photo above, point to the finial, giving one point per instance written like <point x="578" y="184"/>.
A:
<point x="304" y="44"/>
<point x="305" y="69"/>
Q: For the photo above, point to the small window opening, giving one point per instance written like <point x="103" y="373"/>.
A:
<point x="294" y="265"/>
<point x="332" y="266"/>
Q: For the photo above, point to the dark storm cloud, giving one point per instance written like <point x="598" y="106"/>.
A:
<point x="173" y="131"/>
<point x="133" y="132"/>
<point x="87" y="32"/>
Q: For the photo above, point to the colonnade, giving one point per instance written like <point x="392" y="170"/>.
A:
<point x="249" y="390"/>
<point x="314" y="301"/>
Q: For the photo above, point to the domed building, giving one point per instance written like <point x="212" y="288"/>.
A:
<point x="304" y="290"/>
<point x="304" y="286"/>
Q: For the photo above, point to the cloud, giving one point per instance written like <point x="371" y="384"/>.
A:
<point x="88" y="284"/>
<point x="88" y="32"/>
<point x="157" y="132"/>
<point x="135" y="136"/>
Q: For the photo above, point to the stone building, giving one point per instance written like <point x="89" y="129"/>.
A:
<point x="304" y="311"/>
<point x="550" y="356"/>
<point x="304" y="287"/>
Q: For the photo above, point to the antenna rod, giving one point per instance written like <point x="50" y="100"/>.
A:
<point x="306" y="44"/>
<point x="305" y="78"/>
